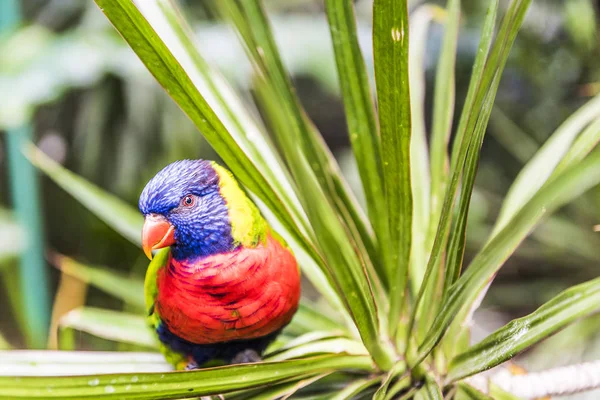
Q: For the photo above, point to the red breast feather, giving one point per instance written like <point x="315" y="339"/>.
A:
<point x="243" y="294"/>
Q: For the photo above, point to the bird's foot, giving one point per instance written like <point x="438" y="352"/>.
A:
<point x="246" y="356"/>
<point x="191" y="366"/>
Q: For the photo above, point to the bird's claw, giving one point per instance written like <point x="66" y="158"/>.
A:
<point x="191" y="366"/>
<point x="246" y="356"/>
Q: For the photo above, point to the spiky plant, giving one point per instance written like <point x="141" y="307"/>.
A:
<point x="395" y="274"/>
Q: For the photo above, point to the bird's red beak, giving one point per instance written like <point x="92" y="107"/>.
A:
<point x="156" y="234"/>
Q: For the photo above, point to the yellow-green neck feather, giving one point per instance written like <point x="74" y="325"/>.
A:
<point x="248" y="227"/>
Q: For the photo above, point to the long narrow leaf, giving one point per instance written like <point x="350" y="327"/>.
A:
<point x="429" y="391"/>
<point x="541" y="166"/>
<point x="390" y="47"/>
<point x="360" y="117"/>
<point x="128" y="289"/>
<point x="355" y="388"/>
<point x="336" y="345"/>
<point x="382" y="393"/>
<point x="512" y="137"/>
<point x="567" y="187"/>
<point x="572" y="304"/>
<point x="443" y="112"/>
<point x="458" y="236"/>
<point x="110" y="325"/>
<point x="176" y="385"/>
<point x="419" y="156"/>
<point x="46" y="363"/>
<point x="115" y="212"/>
<point x="468" y="392"/>
<point x="286" y="390"/>
<point x="586" y="142"/>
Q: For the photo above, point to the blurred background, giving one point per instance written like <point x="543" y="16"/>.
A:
<point x="70" y="84"/>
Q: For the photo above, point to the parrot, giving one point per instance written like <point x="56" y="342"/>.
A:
<point x="224" y="284"/>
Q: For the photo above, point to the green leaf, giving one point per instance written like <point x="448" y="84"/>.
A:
<point x="458" y="235"/>
<point x="47" y="363"/>
<point x="111" y="325"/>
<point x="419" y="155"/>
<point x="443" y="112"/>
<point x="355" y="388"/>
<point x="306" y="338"/>
<point x="540" y="168"/>
<point x="390" y="48"/>
<point x="511" y="136"/>
<point x="382" y="393"/>
<point x="117" y="214"/>
<point x="126" y="288"/>
<point x="468" y="392"/>
<point x="402" y="385"/>
<point x="583" y="145"/>
<point x="177" y="384"/>
<point x="336" y="345"/>
<point x="282" y="391"/>
<point x="429" y="391"/>
<point x="485" y="264"/>
<point x="570" y="305"/>
<point x="308" y="318"/>
<point x="360" y="118"/>
<point x="498" y="393"/>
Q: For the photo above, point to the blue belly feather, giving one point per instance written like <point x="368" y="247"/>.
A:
<point x="217" y="352"/>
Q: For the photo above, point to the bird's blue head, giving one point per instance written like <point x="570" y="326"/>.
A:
<point x="183" y="208"/>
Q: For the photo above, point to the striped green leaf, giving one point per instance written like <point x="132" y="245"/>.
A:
<point x="508" y="341"/>
<point x="355" y="388"/>
<point x="360" y="119"/>
<point x="430" y="391"/>
<point x="468" y="392"/>
<point x="175" y="385"/>
<point x="390" y="47"/>
<point x="123" y="218"/>
<point x="107" y="324"/>
<point x="443" y="112"/>
<point x="121" y="286"/>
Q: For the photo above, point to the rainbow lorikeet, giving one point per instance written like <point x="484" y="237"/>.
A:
<point x="228" y="283"/>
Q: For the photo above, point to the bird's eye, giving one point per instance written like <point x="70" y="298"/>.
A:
<point x="188" y="200"/>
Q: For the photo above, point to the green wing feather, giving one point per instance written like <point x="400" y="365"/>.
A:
<point x="159" y="261"/>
